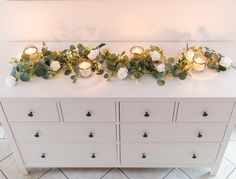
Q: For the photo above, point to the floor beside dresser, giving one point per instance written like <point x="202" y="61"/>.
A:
<point x="9" y="170"/>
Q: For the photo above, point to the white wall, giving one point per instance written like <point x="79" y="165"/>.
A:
<point x="120" y="20"/>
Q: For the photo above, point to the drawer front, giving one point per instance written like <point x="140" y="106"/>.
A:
<point x="59" y="132"/>
<point x="168" y="154"/>
<point x="146" y="111"/>
<point x="88" y="111"/>
<point x="204" y="111"/>
<point x="31" y="111"/>
<point x="173" y="132"/>
<point x="68" y="154"/>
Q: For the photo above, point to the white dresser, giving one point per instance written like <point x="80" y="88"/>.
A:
<point x="95" y="123"/>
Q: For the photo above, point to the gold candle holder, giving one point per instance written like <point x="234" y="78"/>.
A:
<point x="136" y="50"/>
<point x="85" y="68"/>
<point x="31" y="50"/>
<point x="199" y="63"/>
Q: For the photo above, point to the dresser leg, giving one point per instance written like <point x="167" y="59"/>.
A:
<point x="214" y="170"/>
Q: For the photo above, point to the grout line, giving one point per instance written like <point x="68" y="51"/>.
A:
<point x="229" y="161"/>
<point x="230" y="173"/>
<point x="63" y="173"/>
<point x="3" y="174"/>
<point x="6" y="157"/>
<point x="124" y="173"/>
<point x="106" y="173"/>
<point x="184" y="173"/>
<point x="44" y="173"/>
<point x="168" y="173"/>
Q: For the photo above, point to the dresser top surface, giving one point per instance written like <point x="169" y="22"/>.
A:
<point x="208" y="84"/>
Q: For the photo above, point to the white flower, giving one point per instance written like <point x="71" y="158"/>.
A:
<point x="122" y="73"/>
<point x="190" y="55"/>
<point x="161" y="67"/>
<point x="155" y="55"/>
<point x="93" y="54"/>
<point x="10" y="81"/>
<point x="55" y="65"/>
<point x="226" y="62"/>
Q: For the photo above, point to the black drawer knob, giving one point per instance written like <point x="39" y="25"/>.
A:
<point x="31" y="114"/>
<point x="199" y="135"/>
<point x="146" y="114"/>
<point x="88" y="114"/>
<point x="145" y="135"/>
<point x="43" y="155"/>
<point x="91" y="135"/>
<point x="204" y="114"/>
<point x="194" y="156"/>
<point x="93" y="155"/>
<point x="36" y="135"/>
<point x="144" y="156"/>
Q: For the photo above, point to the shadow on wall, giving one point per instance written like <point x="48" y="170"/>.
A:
<point x="110" y="34"/>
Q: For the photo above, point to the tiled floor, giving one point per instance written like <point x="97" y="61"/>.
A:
<point x="9" y="170"/>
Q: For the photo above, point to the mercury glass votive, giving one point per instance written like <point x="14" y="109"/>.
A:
<point x="199" y="63"/>
<point x="31" y="50"/>
<point x="137" y="50"/>
<point x="85" y="68"/>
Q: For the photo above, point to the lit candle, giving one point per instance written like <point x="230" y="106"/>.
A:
<point x="31" y="50"/>
<point x="199" y="64"/>
<point x="137" y="50"/>
<point x="85" y="68"/>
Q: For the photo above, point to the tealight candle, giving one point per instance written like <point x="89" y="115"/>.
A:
<point x="31" y="50"/>
<point x="137" y="50"/>
<point x="85" y="68"/>
<point x="199" y="64"/>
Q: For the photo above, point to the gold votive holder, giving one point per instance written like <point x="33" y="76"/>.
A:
<point x="137" y="50"/>
<point x="199" y="63"/>
<point x="31" y="50"/>
<point x="85" y="68"/>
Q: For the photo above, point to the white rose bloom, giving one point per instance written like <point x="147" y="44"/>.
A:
<point x="55" y="65"/>
<point x="10" y="81"/>
<point x="93" y="54"/>
<point x="122" y="73"/>
<point x="226" y="62"/>
<point x="190" y="55"/>
<point x="161" y="67"/>
<point x="155" y="55"/>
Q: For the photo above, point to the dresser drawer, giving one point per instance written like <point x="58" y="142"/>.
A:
<point x="88" y="111"/>
<point x="164" y="154"/>
<point x="34" y="111"/>
<point x="204" y="111"/>
<point x="65" y="132"/>
<point x="173" y="132"/>
<point x="146" y="111"/>
<point x="67" y="154"/>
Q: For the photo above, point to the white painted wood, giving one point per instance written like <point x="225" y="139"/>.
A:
<point x="214" y="111"/>
<point x="146" y="111"/>
<point x="99" y="111"/>
<point x="168" y="154"/>
<point x="19" y="111"/>
<point x="68" y="153"/>
<point x="172" y="132"/>
<point x="58" y="132"/>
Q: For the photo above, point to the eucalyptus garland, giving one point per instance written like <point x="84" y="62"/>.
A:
<point x="153" y="61"/>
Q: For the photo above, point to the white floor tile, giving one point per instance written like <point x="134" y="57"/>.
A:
<point x="85" y="173"/>
<point x="233" y="136"/>
<point x="203" y="173"/>
<point x="115" y="174"/>
<point x="54" y="174"/>
<point x="10" y="169"/>
<point x="146" y="173"/>
<point x="231" y="152"/>
<point x="2" y="176"/>
<point x="4" y="149"/>
<point x="176" y="174"/>
<point x="2" y="133"/>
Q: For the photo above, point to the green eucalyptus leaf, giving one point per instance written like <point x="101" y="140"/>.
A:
<point x="25" y="77"/>
<point x="72" y="47"/>
<point x="67" y="72"/>
<point x="183" y="75"/>
<point x="161" y="82"/>
<point x="13" y="71"/>
<point x="41" y="69"/>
